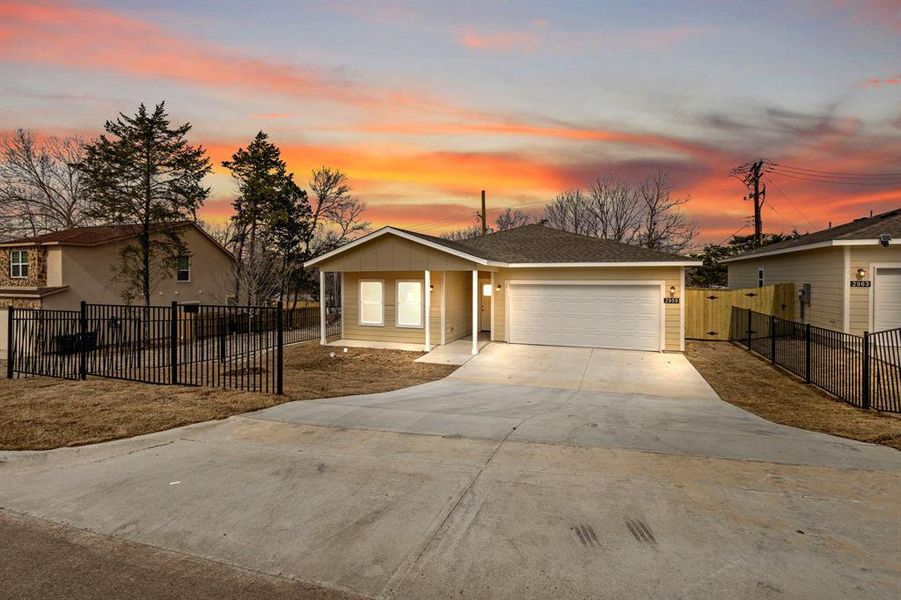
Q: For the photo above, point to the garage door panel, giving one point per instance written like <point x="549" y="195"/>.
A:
<point x="887" y="299"/>
<point x="603" y="316"/>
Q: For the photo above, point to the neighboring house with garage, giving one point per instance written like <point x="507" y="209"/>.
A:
<point x="847" y="278"/>
<point x="529" y="285"/>
<point x="58" y="270"/>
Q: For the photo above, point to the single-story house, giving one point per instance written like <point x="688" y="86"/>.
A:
<point x="529" y="285"/>
<point x="58" y="270"/>
<point x="847" y="278"/>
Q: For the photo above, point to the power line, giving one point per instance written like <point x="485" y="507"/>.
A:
<point x="836" y="181"/>
<point x="836" y="173"/>
<point x="795" y="206"/>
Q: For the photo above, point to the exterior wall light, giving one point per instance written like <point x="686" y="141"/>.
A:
<point x="498" y="287"/>
<point x="672" y="291"/>
<point x="861" y="273"/>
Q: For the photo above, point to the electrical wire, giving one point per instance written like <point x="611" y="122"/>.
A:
<point x="836" y="173"/>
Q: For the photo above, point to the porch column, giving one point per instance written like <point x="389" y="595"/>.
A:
<point x="475" y="311"/>
<point x="322" y="307"/>
<point x="428" y="310"/>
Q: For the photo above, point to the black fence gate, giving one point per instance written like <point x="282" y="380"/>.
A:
<point x="236" y="347"/>
<point x="862" y="370"/>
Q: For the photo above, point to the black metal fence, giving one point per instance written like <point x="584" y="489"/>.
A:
<point x="237" y="347"/>
<point x="862" y="370"/>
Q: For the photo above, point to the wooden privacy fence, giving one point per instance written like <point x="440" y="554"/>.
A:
<point x="708" y="312"/>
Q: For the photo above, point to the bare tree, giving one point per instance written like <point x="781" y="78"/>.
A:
<point x="466" y="233"/>
<point x="336" y="218"/>
<point x="665" y="226"/>
<point x="615" y="205"/>
<point x="571" y="211"/>
<point x="642" y="214"/>
<point x="41" y="190"/>
<point x="512" y="218"/>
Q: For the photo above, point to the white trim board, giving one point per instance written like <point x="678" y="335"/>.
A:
<point x="816" y="246"/>
<point x="401" y="234"/>
<point x="874" y="277"/>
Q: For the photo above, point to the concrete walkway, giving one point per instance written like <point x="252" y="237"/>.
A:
<point x="530" y="472"/>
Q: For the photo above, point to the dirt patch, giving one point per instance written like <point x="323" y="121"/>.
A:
<point x="44" y="413"/>
<point x="750" y="382"/>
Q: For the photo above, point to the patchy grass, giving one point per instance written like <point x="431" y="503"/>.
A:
<point x="752" y="383"/>
<point x="43" y="413"/>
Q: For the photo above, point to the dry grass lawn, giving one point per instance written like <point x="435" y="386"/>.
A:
<point x="44" y="413"/>
<point x="752" y="383"/>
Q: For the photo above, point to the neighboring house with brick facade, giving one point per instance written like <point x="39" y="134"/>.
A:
<point x="58" y="270"/>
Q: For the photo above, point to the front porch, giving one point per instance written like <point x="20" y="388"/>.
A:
<point x="446" y="310"/>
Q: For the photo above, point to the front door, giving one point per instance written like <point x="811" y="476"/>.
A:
<point x="484" y="305"/>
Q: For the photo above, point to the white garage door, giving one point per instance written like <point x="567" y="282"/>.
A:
<point x="887" y="299"/>
<point x="596" y="316"/>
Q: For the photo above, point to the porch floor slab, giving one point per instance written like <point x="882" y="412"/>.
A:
<point x="378" y="345"/>
<point x="454" y="353"/>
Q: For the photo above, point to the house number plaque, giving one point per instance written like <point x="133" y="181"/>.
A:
<point x="671" y="301"/>
<point x="862" y="283"/>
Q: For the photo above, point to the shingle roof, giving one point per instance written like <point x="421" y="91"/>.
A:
<point x="541" y="244"/>
<point x="82" y="236"/>
<point x="866" y="228"/>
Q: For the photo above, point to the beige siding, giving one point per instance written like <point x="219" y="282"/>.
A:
<point x="859" y="298"/>
<point x="88" y="271"/>
<point x="669" y="275"/>
<point x="458" y="308"/>
<point x="823" y="269"/>
<point x="392" y="253"/>
<point x="389" y="332"/>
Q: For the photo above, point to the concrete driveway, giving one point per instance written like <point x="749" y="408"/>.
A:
<point x="530" y="472"/>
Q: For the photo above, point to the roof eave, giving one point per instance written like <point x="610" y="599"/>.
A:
<point x="814" y="246"/>
<point x="402" y="234"/>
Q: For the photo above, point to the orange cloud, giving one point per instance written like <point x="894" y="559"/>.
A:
<point x="878" y="82"/>
<point x="88" y="37"/>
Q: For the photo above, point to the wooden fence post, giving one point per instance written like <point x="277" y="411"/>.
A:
<point x="10" y="351"/>
<point x="866" y="369"/>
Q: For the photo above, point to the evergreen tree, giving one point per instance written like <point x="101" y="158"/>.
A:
<point x="272" y="217"/>
<point x="144" y="172"/>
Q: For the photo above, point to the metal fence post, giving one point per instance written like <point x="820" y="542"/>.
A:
<point x="280" y="349"/>
<point x="749" y="329"/>
<point x="10" y="351"/>
<point x="807" y="352"/>
<point x="773" y="339"/>
<point x="173" y="345"/>
<point x="866" y="369"/>
<point x="82" y="341"/>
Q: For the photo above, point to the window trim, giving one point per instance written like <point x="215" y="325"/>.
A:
<point x="761" y="277"/>
<point x="421" y="283"/>
<point x="22" y="254"/>
<point x="178" y="270"/>
<point x="360" y="321"/>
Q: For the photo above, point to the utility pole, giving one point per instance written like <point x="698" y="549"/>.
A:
<point x="750" y="174"/>
<point x="482" y="215"/>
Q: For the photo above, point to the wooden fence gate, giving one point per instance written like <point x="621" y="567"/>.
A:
<point x="708" y="312"/>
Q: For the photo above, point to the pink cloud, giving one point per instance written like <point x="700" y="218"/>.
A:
<point x="503" y="41"/>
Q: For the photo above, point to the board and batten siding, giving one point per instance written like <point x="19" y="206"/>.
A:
<point x="671" y="276"/>
<point x="822" y="268"/>
<point x="391" y="253"/>
<point x="389" y="332"/>
<point x="860" y="298"/>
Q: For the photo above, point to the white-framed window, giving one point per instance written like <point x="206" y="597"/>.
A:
<point x="18" y="264"/>
<point x="372" y="302"/>
<point x="760" y="278"/>
<point x="409" y="304"/>
<point x="183" y="268"/>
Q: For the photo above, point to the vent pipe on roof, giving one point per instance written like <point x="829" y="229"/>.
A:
<point x="829" y="226"/>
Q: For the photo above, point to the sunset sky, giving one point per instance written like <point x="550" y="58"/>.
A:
<point x="425" y="104"/>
